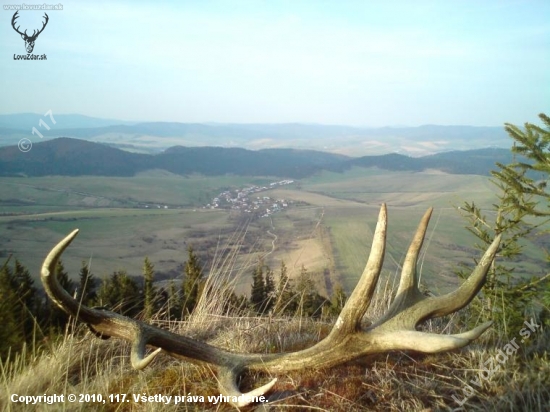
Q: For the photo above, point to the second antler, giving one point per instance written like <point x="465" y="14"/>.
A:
<point x="347" y="341"/>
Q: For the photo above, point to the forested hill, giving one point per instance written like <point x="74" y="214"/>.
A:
<point x="74" y="157"/>
<point x="476" y="162"/>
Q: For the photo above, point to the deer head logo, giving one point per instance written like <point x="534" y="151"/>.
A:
<point x="29" y="40"/>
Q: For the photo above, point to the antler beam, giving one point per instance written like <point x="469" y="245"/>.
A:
<point x="347" y="341"/>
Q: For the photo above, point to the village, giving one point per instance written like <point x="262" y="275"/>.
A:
<point x="247" y="201"/>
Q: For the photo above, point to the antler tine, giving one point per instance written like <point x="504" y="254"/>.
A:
<point x="227" y="380"/>
<point x="409" y="279"/>
<point x="137" y="356"/>
<point x="408" y="292"/>
<point x="425" y="342"/>
<point x="451" y="302"/>
<point x="359" y="300"/>
<point x="56" y="292"/>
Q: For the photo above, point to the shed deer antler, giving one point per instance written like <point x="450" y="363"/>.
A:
<point x="347" y="341"/>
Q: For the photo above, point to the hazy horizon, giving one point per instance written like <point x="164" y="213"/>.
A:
<point x="254" y="123"/>
<point x="352" y="63"/>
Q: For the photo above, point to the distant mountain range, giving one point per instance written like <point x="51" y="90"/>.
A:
<point x="155" y="137"/>
<point x="26" y="121"/>
<point x="74" y="157"/>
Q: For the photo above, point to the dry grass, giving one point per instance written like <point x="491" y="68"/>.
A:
<point x="81" y="363"/>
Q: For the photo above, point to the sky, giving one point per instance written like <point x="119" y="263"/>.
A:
<point x="360" y="63"/>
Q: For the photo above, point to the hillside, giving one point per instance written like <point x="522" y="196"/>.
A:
<point x="475" y="162"/>
<point x="70" y="157"/>
<point x="212" y="161"/>
<point x="74" y="157"/>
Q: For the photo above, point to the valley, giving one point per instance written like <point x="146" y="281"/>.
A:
<point x="327" y="226"/>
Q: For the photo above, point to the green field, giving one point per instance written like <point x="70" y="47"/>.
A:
<point x="153" y="187"/>
<point x="111" y="238"/>
<point x="402" y="189"/>
<point x="351" y="203"/>
<point x="328" y="229"/>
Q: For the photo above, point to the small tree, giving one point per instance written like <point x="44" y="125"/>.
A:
<point x="258" y="293"/>
<point x="337" y="301"/>
<point x="149" y="291"/>
<point x="28" y="303"/>
<point x="121" y="293"/>
<point x="270" y="292"/>
<point x="234" y="305"/>
<point x="522" y="189"/>
<point x="174" y="301"/>
<point x="87" y="284"/>
<point x="192" y="282"/>
<point x="286" y="301"/>
<point x="11" y="334"/>
<point x="310" y="303"/>
<point x="63" y="278"/>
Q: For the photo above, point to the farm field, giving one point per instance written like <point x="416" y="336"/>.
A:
<point x="153" y="187"/>
<point x="110" y="239"/>
<point x="328" y="229"/>
<point x="401" y="189"/>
